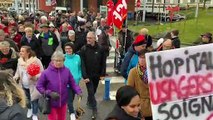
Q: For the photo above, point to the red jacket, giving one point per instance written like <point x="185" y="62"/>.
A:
<point x="17" y="39"/>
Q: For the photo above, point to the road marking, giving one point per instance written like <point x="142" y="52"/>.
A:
<point x="117" y="79"/>
<point x="112" y="95"/>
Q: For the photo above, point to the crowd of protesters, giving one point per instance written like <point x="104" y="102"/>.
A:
<point x="69" y="48"/>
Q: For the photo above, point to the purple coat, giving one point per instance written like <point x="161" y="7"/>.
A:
<point x="56" y="80"/>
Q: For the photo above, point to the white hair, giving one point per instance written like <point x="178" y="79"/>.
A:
<point x="57" y="54"/>
<point x="43" y="17"/>
<point x="71" y="32"/>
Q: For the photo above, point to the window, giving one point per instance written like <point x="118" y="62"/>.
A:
<point x="192" y="1"/>
<point x="149" y="1"/>
<point x="158" y="1"/>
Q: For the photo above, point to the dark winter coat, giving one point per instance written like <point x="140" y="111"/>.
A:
<point x="104" y="42"/>
<point x="9" y="61"/>
<point x="128" y="56"/>
<point x="49" y="44"/>
<point x="129" y="39"/>
<point x="14" y="112"/>
<point x="176" y="42"/>
<point x="93" y="61"/>
<point x="80" y="38"/>
<point x="119" y="114"/>
<point x="34" y="44"/>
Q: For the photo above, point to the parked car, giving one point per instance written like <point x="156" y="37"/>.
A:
<point x="176" y="17"/>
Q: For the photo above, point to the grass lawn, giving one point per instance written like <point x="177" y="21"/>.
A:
<point x="190" y="29"/>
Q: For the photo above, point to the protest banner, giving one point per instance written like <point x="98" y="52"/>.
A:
<point x="181" y="83"/>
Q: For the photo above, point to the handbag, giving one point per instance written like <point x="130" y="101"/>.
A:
<point x="79" y="110"/>
<point x="44" y="104"/>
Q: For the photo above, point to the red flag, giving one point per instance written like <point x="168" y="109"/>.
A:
<point x="110" y="6"/>
<point x="53" y="2"/>
<point x="120" y="13"/>
<point x="138" y="4"/>
<point x="172" y="10"/>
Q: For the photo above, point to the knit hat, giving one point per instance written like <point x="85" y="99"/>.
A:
<point x="44" y="25"/>
<point x="139" y="40"/>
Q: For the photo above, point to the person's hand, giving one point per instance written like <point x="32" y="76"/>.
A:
<point x="54" y="95"/>
<point x="79" y="96"/>
<point x="16" y="79"/>
<point x="86" y="80"/>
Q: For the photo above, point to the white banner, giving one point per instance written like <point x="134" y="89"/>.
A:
<point x="181" y="83"/>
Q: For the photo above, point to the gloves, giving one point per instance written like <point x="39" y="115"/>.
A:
<point x="54" y="95"/>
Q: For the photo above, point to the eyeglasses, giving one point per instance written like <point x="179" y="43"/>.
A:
<point x="58" y="61"/>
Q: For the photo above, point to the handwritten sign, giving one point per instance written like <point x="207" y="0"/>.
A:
<point x="181" y="83"/>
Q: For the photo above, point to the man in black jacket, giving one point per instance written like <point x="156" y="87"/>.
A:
<point x="48" y="42"/>
<point x="93" y="58"/>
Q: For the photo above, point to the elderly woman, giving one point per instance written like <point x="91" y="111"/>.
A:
<point x="28" y="82"/>
<point x="12" y="99"/>
<point x="8" y="57"/>
<point x="53" y="82"/>
<point x="70" y="38"/>
<point x="73" y="63"/>
<point x="128" y="105"/>
<point x="138" y="79"/>
<point x="30" y="39"/>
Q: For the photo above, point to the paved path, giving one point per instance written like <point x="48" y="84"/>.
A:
<point x="104" y="106"/>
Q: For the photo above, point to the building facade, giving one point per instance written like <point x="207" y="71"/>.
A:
<point x="94" y="5"/>
<point x="6" y="3"/>
<point x="75" y="5"/>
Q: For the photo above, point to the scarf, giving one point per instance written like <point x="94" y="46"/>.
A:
<point x="142" y="71"/>
<point x="25" y="64"/>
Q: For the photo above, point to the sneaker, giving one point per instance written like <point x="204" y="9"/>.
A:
<point x="29" y="113"/>
<point x="94" y="114"/>
<point x="72" y="116"/>
<point x="35" y="117"/>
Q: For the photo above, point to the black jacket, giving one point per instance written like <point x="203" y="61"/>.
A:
<point x="8" y="61"/>
<point x="14" y="112"/>
<point x="125" y="43"/>
<point x="93" y="61"/>
<point x="34" y="44"/>
<point x="176" y="42"/>
<point x="80" y="38"/>
<point x="119" y="114"/>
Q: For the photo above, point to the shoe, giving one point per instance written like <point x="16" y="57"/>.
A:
<point x="29" y="113"/>
<point x="72" y="116"/>
<point x="35" y="117"/>
<point x="94" y="114"/>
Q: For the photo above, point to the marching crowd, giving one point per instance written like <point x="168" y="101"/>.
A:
<point x="68" y="48"/>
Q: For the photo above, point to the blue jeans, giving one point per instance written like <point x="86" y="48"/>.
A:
<point x="31" y="104"/>
<point x="71" y="96"/>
